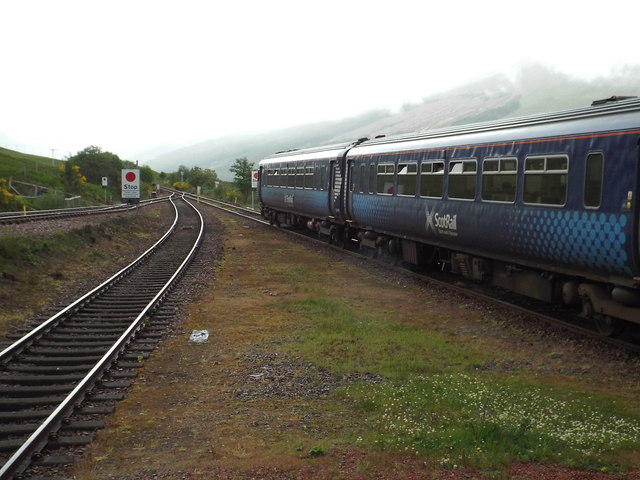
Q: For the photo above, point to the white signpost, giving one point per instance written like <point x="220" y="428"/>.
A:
<point x="130" y="183"/>
<point x="254" y="184"/>
<point x="105" y="184"/>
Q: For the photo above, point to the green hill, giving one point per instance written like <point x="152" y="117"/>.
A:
<point x="39" y="182"/>
<point x="30" y="168"/>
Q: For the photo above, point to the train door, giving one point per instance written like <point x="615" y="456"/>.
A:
<point x="350" y="190"/>
<point x="335" y="188"/>
<point x="261" y="179"/>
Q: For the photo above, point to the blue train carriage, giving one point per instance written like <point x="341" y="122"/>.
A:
<point x="305" y="188"/>
<point x="546" y="206"/>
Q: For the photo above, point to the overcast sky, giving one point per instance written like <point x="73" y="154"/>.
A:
<point x="134" y="74"/>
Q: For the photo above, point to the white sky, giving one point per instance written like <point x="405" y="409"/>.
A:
<point x="134" y="74"/>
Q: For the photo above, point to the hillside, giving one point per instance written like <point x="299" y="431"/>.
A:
<point x="535" y="89"/>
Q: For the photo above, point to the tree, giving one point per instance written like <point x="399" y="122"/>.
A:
<point x="241" y="170"/>
<point x="95" y="164"/>
<point x="203" y="177"/>
<point x="147" y="175"/>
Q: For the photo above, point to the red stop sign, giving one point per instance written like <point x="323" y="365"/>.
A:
<point x="130" y="176"/>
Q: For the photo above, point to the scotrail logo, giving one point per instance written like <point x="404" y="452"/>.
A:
<point x="443" y="224"/>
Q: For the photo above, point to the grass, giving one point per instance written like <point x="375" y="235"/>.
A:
<point x="344" y="340"/>
<point x="16" y="252"/>
<point x="485" y="421"/>
<point x="30" y="168"/>
<point x="434" y="403"/>
<point x="35" y="268"/>
<point x="44" y="171"/>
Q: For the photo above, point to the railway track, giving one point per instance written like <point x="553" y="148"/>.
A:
<point x="8" y="218"/>
<point x="78" y="361"/>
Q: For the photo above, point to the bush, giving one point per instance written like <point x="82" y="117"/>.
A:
<point x="8" y="201"/>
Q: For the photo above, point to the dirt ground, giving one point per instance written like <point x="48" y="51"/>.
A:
<point x="237" y="407"/>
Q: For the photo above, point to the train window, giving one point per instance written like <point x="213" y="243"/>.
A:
<point x="385" y="178"/>
<point x="545" y="179"/>
<point x="407" y="173"/>
<point x="316" y="178"/>
<point x="300" y="177"/>
<point x="593" y="180"/>
<point x="499" y="178"/>
<point x="280" y="177"/>
<point x="291" y="177"/>
<point x="308" y="177"/>
<point x="362" y="178"/>
<point x="372" y="177"/>
<point x="462" y="179"/>
<point x="431" y="179"/>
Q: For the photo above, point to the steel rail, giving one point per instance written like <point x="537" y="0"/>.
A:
<point x="37" y="215"/>
<point x="221" y="204"/>
<point x="38" y="439"/>
<point x="17" y="346"/>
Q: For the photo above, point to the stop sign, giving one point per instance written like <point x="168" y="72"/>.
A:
<point x="130" y="183"/>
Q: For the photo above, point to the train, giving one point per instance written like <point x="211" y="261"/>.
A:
<point x="545" y="205"/>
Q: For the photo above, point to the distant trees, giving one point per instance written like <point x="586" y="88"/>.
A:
<point x="187" y="179"/>
<point x="95" y="164"/>
<point x="241" y="170"/>
<point x="203" y="177"/>
<point x="191" y="178"/>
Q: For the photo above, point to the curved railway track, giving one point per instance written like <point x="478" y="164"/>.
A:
<point x="628" y="339"/>
<point x="80" y="356"/>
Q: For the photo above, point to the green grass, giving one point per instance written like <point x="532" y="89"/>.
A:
<point x="345" y="340"/>
<point x="435" y="404"/>
<point x="485" y="422"/>
<point x="45" y="172"/>
<point x="18" y="253"/>
<point x="30" y="168"/>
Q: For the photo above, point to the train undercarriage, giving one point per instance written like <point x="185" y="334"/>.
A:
<point x="610" y="307"/>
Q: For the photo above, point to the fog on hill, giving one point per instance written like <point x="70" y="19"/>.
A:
<point x="535" y="89"/>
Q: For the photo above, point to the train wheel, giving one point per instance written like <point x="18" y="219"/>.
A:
<point x="606" y="325"/>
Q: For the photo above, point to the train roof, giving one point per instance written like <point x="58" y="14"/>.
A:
<point x="607" y="106"/>
<point x="547" y="124"/>
<point x="614" y="114"/>
<point x="304" y="151"/>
